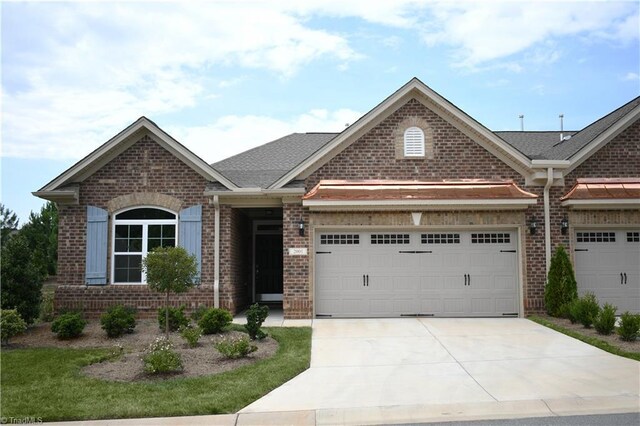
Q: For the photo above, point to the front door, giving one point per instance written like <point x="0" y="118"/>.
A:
<point x="268" y="265"/>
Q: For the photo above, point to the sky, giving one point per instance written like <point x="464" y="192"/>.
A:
<point x="223" y="77"/>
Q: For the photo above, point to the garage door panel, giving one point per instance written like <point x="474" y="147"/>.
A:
<point x="503" y="282"/>
<point x="453" y="306"/>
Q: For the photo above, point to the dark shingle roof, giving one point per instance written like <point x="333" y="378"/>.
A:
<point x="261" y="166"/>
<point x="532" y="144"/>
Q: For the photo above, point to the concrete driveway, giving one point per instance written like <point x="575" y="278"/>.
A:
<point x="426" y="368"/>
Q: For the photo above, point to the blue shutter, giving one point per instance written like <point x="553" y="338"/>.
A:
<point x="96" y="255"/>
<point x="190" y="233"/>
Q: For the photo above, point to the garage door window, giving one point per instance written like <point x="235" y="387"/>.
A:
<point x="332" y="239"/>
<point x="389" y="238"/>
<point x="633" y="237"/>
<point x="440" y="238"/>
<point x="491" y="238"/>
<point x="596" y="237"/>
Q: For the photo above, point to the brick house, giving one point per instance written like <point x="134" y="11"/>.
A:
<point x="415" y="209"/>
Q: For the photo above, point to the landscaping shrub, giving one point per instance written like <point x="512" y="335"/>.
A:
<point x="46" y="308"/>
<point x="629" y="328"/>
<point x="11" y="323"/>
<point x="118" y="320"/>
<point x="233" y="348"/>
<point x="215" y="320"/>
<point x="198" y="313"/>
<point x="161" y="358"/>
<point x="571" y="310"/>
<point x="177" y="318"/>
<point x="561" y="285"/>
<point x="68" y="325"/>
<point x="256" y="315"/>
<point x="586" y="309"/>
<point x="191" y="334"/>
<point x="605" y="322"/>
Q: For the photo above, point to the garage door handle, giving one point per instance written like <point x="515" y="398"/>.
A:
<point x="363" y="281"/>
<point x="367" y="280"/>
<point x="507" y="251"/>
<point x="625" y="278"/>
<point x="621" y="278"/>
<point x="323" y="252"/>
<point x="465" y="279"/>
<point x="469" y="277"/>
<point x="582" y="250"/>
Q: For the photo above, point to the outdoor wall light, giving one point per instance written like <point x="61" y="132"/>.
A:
<point x="564" y="225"/>
<point x="301" y="227"/>
<point x="533" y="226"/>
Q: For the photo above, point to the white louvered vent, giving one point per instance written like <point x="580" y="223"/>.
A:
<point x="413" y="142"/>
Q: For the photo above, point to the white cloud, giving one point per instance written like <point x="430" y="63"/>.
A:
<point x="631" y="76"/>
<point x="232" y="134"/>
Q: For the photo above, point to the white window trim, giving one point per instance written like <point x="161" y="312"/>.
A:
<point x="145" y="232"/>
<point x="411" y="153"/>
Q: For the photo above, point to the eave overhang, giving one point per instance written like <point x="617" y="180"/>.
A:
<point x="69" y="195"/>
<point x="416" y="195"/>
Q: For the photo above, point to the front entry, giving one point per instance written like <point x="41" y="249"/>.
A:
<point x="268" y="261"/>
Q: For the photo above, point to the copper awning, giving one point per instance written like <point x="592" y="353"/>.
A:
<point x="372" y="194"/>
<point x="604" y="193"/>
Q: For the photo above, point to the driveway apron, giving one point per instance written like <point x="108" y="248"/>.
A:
<point x="357" y="363"/>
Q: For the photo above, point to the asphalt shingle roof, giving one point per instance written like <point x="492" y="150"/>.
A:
<point x="261" y="166"/>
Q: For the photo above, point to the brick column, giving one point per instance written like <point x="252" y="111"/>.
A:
<point x="297" y="296"/>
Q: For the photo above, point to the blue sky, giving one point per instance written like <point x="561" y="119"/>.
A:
<point x="223" y="77"/>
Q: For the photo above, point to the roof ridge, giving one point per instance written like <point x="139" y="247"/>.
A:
<point x="255" y="148"/>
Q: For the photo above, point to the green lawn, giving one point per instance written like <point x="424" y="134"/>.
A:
<point x="47" y="383"/>
<point x="593" y="341"/>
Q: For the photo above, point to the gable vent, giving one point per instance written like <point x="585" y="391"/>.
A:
<point x="414" y="142"/>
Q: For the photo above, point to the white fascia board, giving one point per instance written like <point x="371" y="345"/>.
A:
<point x="414" y="88"/>
<point x="114" y="146"/>
<point x="67" y="196"/>
<point x="603" y="139"/>
<point x="257" y="192"/>
<point x="488" y="204"/>
<point x="545" y="164"/>
<point x="624" y="204"/>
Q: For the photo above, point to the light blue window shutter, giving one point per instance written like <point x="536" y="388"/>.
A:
<point x="190" y="233"/>
<point x="96" y="255"/>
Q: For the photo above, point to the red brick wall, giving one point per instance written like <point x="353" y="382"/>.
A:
<point x="144" y="167"/>
<point x="297" y="301"/>
<point x="235" y="259"/>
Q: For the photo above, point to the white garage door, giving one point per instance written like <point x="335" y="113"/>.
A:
<point x="386" y="274"/>
<point x="607" y="263"/>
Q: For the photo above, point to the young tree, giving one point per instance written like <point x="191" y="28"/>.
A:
<point x="21" y="279"/>
<point x="170" y="270"/>
<point x="8" y="223"/>
<point x="41" y="233"/>
<point x="561" y="286"/>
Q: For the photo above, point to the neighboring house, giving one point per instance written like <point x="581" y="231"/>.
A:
<point x="415" y="209"/>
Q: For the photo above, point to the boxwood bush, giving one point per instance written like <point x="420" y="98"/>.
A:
<point x="118" y="320"/>
<point x="605" y="322"/>
<point x="585" y="310"/>
<point x="11" y="323"/>
<point x="214" y="320"/>
<point x="177" y="318"/>
<point x="629" y="328"/>
<point x="68" y="325"/>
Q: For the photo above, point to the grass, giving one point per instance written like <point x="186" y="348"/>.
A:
<point x="593" y="341"/>
<point x="47" y="383"/>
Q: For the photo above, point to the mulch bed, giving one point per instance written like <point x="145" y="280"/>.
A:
<point x="613" y="339"/>
<point x="203" y="360"/>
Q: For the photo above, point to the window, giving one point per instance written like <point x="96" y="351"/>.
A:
<point x="136" y="232"/>
<point x="340" y="239"/>
<point x="493" y="238"/>
<point x="633" y="237"/>
<point x="413" y="142"/>
<point x="596" y="237"/>
<point x="389" y="238"/>
<point x="440" y="238"/>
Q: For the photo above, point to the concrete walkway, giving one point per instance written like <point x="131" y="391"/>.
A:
<point x="377" y="371"/>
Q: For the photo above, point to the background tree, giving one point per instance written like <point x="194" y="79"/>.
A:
<point x="21" y="279"/>
<point x="170" y="270"/>
<point x="8" y="223"/>
<point x="561" y="288"/>
<point x="41" y="233"/>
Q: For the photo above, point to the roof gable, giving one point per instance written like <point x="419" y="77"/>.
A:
<point x="118" y="144"/>
<point x="432" y="100"/>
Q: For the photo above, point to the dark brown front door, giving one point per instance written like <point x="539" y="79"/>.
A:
<point x="268" y="267"/>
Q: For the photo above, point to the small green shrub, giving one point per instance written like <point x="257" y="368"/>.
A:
<point x="191" y="334"/>
<point x="11" y="324"/>
<point x="256" y="315"/>
<point x="68" y="325"/>
<point x="561" y="287"/>
<point x="215" y="320"/>
<point x="118" y="320"/>
<point x="586" y="309"/>
<point x="629" y="328"/>
<point x="572" y="311"/>
<point x="46" y="308"/>
<point x="177" y="318"/>
<point x="605" y="322"/>
<point x="198" y="313"/>
<point x="161" y="358"/>
<point x="234" y="348"/>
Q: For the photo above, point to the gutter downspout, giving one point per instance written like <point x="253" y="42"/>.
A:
<point x="216" y="254"/>
<point x="547" y="218"/>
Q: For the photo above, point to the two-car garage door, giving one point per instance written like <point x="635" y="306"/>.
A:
<point x="386" y="274"/>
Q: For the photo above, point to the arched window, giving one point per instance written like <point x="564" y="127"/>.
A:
<point x="136" y="232"/>
<point x="413" y="142"/>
